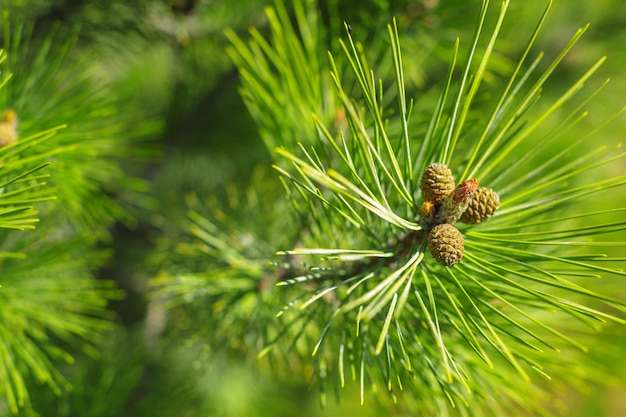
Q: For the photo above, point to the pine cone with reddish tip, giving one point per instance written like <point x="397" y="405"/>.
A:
<point x="437" y="183"/>
<point x="446" y="244"/>
<point x="457" y="202"/>
<point x="483" y="205"/>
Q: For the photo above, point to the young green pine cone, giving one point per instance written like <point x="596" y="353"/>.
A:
<point x="457" y="202"/>
<point x="437" y="183"/>
<point x="446" y="244"/>
<point x="483" y="205"/>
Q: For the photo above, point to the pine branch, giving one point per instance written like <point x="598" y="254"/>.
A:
<point x="368" y="300"/>
<point x="48" y="298"/>
<point x="380" y="276"/>
<point x="51" y="83"/>
<point x="52" y="174"/>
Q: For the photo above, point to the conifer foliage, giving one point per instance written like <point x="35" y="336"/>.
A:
<point x="430" y="223"/>
<point x="63" y="137"/>
<point x="383" y="291"/>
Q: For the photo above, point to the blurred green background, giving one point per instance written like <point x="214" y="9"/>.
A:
<point x="168" y="58"/>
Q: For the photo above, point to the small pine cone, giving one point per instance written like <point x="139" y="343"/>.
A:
<point x="437" y="183"/>
<point x="446" y="244"/>
<point x="8" y="128"/>
<point x="456" y="203"/>
<point x="483" y="205"/>
<point x="427" y="210"/>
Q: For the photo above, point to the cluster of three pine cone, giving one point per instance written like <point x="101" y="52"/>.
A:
<point x="445" y="204"/>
